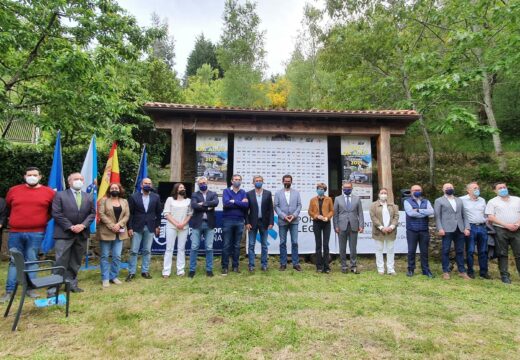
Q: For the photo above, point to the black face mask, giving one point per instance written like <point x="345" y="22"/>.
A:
<point x="114" y="193"/>
<point x="182" y="192"/>
<point x="287" y="186"/>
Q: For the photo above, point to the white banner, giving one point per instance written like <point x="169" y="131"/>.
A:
<point x="306" y="243"/>
<point x="304" y="157"/>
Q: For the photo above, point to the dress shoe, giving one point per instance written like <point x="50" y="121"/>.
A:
<point x="485" y="276"/>
<point x="297" y="267"/>
<point x="506" y="279"/>
<point x="209" y="273"/>
<point x="326" y="271"/>
<point x="236" y="270"/>
<point x="355" y="271"/>
<point x="471" y="275"/>
<point x="409" y="273"/>
<point x="116" y="281"/>
<point x="264" y="268"/>
<point x="283" y="267"/>
<point x="446" y="276"/>
<point x="6" y="297"/>
<point x="224" y="272"/>
<point x="464" y="276"/>
<point x="76" y="289"/>
<point x="251" y="269"/>
<point x="146" y="275"/>
<point x="130" y="277"/>
<point x="343" y="270"/>
<point x="191" y="274"/>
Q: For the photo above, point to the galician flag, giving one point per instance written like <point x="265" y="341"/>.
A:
<point x="89" y="173"/>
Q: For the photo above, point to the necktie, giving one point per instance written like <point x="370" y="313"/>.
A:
<point x="78" y="199"/>
<point x="348" y="202"/>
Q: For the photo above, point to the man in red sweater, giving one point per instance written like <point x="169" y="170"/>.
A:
<point x="30" y="206"/>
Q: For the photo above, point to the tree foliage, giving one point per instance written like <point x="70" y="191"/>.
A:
<point x="204" y="52"/>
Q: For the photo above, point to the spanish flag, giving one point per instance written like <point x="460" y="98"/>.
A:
<point x="111" y="173"/>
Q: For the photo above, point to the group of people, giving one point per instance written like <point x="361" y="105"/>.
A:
<point x="461" y="221"/>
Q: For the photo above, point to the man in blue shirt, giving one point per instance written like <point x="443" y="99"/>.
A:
<point x="418" y="210"/>
<point x="235" y="208"/>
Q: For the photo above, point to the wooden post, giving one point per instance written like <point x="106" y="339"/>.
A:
<point x="384" y="162"/>
<point x="177" y="151"/>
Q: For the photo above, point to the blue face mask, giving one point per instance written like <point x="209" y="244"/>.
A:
<point x="347" y="191"/>
<point x="259" y="184"/>
<point x="237" y="184"/>
<point x="203" y="187"/>
<point x="503" y="192"/>
<point x="417" y="194"/>
<point x="320" y="192"/>
<point x="476" y="192"/>
<point x="147" y="188"/>
<point x="449" y="191"/>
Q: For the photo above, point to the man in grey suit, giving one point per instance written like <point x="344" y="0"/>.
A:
<point x="73" y="210"/>
<point x="451" y="225"/>
<point x="348" y="222"/>
<point x="287" y="205"/>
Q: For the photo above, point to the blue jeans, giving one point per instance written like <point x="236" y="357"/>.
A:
<point x="478" y="236"/>
<point x="232" y="231"/>
<point x="251" y="246"/>
<point x="458" y="238"/>
<point x="208" y="234"/>
<point x="423" y="239"/>
<point x="28" y="243"/>
<point x="110" y="272"/>
<point x="146" y="237"/>
<point x="293" y="229"/>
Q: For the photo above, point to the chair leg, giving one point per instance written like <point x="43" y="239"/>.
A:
<point x="19" y="312"/>
<point x="57" y="293"/>
<point x="67" y="289"/>
<point x="11" y="300"/>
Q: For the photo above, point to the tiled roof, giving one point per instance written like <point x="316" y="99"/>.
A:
<point x="229" y="109"/>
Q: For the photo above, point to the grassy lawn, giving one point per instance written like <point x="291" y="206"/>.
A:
<point x="275" y="315"/>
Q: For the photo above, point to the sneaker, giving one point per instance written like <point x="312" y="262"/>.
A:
<point x="297" y="267"/>
<point x="392" y="273"/>
<point x="116" y="281"/>
<point x="130" y="277"/>
<point x="224" y="272"/>
<point x="106" y="283"/>
<point x="236" y="270"/>
<point x="382" y="273"/>
<point x="264" y="268"/>
<point x="446" y="276"/>
<point x="326" y="271"/>
<point x="209" y="273"/>
<point x="166" y="276"/>
<point x="409" y="273"/>
<point x="506" y="279"/>
<point x="464" y="276"/>
<point x="251" y="269"/>
<point x="181" y="273"/>
<point x="191" y="274"/>
<point x="283" y="267"/>
<point x="6" y="297"/>
<point x="471" y="275"/>
<point x="486" y="276"/>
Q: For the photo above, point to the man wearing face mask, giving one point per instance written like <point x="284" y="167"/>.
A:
<point x="145" y="220"/>
<point x="203" y="221"/>
<point x="503" y="212"/>
<point x="235" y="207"/>
<point x="288" y="204"/>
<point x="73" y="210"/>
<point x="30" y="209"/>
<point x="474" y="207"/>
<point x="452" y="226"/>
<point x="259" y="219"/>
<point x="348" y="222"/>
<point x="418" y="209"/>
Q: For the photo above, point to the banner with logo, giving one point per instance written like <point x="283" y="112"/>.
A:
<point x="212" y="161"/>
<point x="356" y="157"/>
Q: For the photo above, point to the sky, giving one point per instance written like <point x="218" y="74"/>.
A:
<point x="281" y="20"/>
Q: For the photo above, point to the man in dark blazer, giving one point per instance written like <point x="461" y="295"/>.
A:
<point x="145" y="220"/>
<point x="73" y="210"/>
<point x="348" y="222"/>
<point x="451" y="225"/>
<point x="203" y="221"/>
<point x="259" y="219"/>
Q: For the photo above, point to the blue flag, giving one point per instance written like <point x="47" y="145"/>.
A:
<point x="142" y="173"/>
<point x="89" y="172"/>
<point x="57" y="183"/>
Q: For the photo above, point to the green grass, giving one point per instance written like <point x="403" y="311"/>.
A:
<point x="276" y="315"/>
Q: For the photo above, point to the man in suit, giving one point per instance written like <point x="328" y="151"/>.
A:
<point x="259" y="219"/>
<point x="203" y="221"/>
<point x="451" y="225"/>
<point x="348" y="222"/>
<point x="287" y="204"/>
<point x="73" y="210"/>
<point x="145" y="220"/>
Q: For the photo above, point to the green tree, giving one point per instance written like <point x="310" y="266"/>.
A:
<point x="204" y="88"/>
<point x="204" y="52"/>
<point x="163" y="47"/>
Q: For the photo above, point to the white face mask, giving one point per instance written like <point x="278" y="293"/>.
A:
<point x="77" y="184"/>
<point x="32" y="180"/>
<point x="383" y="197"/>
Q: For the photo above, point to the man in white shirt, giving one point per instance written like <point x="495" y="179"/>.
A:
<point x="503" y="212"/>
<point x="451" y="225"/>
<point x="474" y="207"/>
